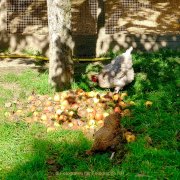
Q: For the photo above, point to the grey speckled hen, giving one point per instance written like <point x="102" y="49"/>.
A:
<point x="118" y="73"/>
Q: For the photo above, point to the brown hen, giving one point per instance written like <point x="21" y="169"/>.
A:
<point x="108" y="136"/>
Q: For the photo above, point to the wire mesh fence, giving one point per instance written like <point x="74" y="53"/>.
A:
<point x="28" y="16"/>
<point x="24" y="15"/>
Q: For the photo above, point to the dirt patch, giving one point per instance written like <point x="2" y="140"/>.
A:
<point x="17" y="66"/>
<point x="10" y="86"/>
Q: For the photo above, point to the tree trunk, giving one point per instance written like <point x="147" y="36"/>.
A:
<point x="60" y="45"/>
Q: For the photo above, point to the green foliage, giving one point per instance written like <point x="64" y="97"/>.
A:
<point x="5" y="51"/>
<point x="31" y="52"/>
<point x="84" y="80"/>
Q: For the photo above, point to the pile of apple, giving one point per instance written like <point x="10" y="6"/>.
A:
<point x="73" y="109"/>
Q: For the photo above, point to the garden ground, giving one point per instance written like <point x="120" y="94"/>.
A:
<point x="27" y="151"/>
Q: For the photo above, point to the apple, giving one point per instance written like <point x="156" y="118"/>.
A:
<point x="46" y="109"/>
<point x="123" y="95"/>
<point x="126" y="112"/>
<point x="71" y="113"/>
<point x="129" y="137"/>
<point x="79" y="92"/>
<point x="92" y="127"/>
<point x="99" y="116"/>
<point x="62" y="117"/>
<point x="123" y="104"/>
<point x="56" y="98"/>
<point x="7" y="114"/>
<point x="35" y="118"/>
<point x="91" y="94"/>
<point x="132" y="103"/>
<point x="148" y="103"/>
<point x="115" y="97"/>
<point x="105" y="114"/>
<point x="91" y="122"/>
<point x="31" y="98"/>
<point x="50" y="129"/>
<point x="33" y="108"/>
<point x="35" y="113"/>
<point x="74" y="106"/>
<point x="59" y="111"/>
<point x="90" y="115"/>
<point x="43" y="117"/>
<point x="100" y="123"/>
<point x="56" y="124"/>
<point x="90" y="110"/>
<point x="70" y="124"/>
<point x="80" y="123"/>
<point x="95" y="100"/>
<point x="29" y="120"/>
<point x="19" y="111"/>
<point x="64" y="104"/>
<point x="117" y="109"/>
<point x="37" y="103"/>
<point x="48" y="103"/>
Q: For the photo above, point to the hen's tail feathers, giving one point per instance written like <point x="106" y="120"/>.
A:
<point x="128" y="51"/>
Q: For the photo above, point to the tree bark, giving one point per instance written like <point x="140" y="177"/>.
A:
<point x="60" y="43"/>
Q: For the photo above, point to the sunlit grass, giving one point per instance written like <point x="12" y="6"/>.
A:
<point x="25" y="149"/>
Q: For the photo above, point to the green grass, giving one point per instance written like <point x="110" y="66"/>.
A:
<point x="25" y="149"/>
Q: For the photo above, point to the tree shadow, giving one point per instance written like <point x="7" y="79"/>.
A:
<point x="63" y="157"/>
<point x="94" y="43"/>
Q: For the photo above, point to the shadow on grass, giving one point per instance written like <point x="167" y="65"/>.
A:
<point x="154" y="154"/>
<point x="62" y="154"/>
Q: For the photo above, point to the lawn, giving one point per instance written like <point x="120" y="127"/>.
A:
<point x="27" y="151"/>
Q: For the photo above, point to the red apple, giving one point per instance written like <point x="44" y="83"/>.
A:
<point x="99" y="116"/>
<point x="117" y="109"/>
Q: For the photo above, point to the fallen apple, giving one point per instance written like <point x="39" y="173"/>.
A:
<point x="48" y="103"/>
<point x="91" y="94"/>
<point x="64" y="104"/>
<point x="117" y="109"/>
<point x="148" y="103"/>
<point x="70" y="124"/>
<point x="50" y="129"/>
<point x="59" y="111"/>
<point x="7" y="114"/>
<point x="122" y="104"/>
<point x="91" y="115"/>
<point x="95" y="100"/>
<point x="105" y="114"/>
<point x="71" y="113"/>
<point x="126" y="112"/>
<point x="99" y="116"/>
<point x="91" y="122"/>
<point x="123" y="95"/>
<point x="115" y="97"/>
<point x="132" y="103"/>
<point x="35" y="113"/>
<point x="31" y="98"/>
<point x="56" y="124"/>
<point x="43" y="117"/>
<point x="33" y="108"/>
<point x="56" y="98"/>
<point x="129" y="137"/>
<point x="74" y="106"/>
<point x="100" y="123"/>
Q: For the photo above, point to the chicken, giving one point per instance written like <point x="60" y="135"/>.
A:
<point x="108" y="136"/>
<point x="118" y="73"/>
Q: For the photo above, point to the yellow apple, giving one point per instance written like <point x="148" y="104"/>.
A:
<point x="56" y="98"/>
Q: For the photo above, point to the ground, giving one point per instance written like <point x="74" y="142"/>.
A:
<point x="27" y="151"/>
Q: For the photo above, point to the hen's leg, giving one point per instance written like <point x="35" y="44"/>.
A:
<point x="112" y="155"/>
<point x="117" y="89"/>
